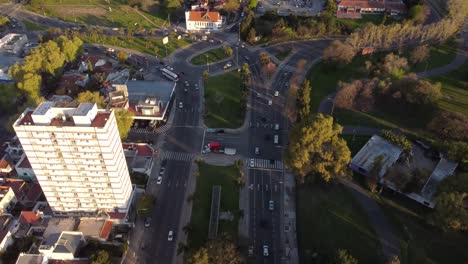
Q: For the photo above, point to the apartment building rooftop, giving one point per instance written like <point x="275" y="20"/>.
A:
<point x="64" y="114"/>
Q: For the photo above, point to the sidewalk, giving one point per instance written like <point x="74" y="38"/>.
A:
<point x="291" y="252"/>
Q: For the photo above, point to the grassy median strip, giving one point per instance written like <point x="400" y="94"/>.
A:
<point x="30" y="26"/>
<point x="153" y="46"/>
<point x="210" y="56"/>
<point x="223" y="104"/>
<point x="208" y="177"/>
<point x="328" y="219"/>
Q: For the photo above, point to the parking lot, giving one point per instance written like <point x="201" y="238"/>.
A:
<point x="295" y="7"/>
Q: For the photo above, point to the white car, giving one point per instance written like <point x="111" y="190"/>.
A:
<point x="276" y="126"/>
<point x="270" y="102"/>
<point x="170" y="236"/>
<point x="265" y="251"/>
<point x="276" y="93"/>
<point x="159" y="180"/>
<point x="252" y="163"/>
<point x="181" y="105"/>
<point x="271" y="205"/>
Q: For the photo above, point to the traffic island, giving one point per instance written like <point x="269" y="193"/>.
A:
<point x="225" y="102"/>
<point x="212" y="56"/>
<point x="208" y="176"/>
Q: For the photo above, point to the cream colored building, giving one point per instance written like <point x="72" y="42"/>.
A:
<point x="76" y="154"/>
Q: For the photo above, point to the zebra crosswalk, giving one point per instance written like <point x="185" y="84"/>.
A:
<point x="171" y="155"/>
<point x="158" y="130"/>
<point x="265" y="164"/>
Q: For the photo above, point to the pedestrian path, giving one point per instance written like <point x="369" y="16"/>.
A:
<point x="266" y="164"/>
<point x="182" y="156"/>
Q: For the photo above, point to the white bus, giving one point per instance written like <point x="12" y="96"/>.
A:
<point x="169" y="74"/>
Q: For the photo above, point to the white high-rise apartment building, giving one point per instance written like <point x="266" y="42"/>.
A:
<point x="77" y="156"/>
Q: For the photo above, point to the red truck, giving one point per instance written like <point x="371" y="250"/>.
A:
<point x="216" y="147"/>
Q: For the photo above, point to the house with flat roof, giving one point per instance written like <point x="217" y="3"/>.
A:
<point x="65" y="248"/>
<point x="412" y="174"/>
<point x="13" y="43"/>
<point x="147" y="100"/>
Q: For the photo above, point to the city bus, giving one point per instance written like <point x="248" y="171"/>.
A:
<point x="169" y="74"/>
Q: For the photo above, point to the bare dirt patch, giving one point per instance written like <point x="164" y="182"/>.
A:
<point x="80" y="11"/>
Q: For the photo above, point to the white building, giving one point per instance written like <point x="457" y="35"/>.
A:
<point x="203" y="20"/>
<point x="76" y="154"/>
<point x="7" y="199"/>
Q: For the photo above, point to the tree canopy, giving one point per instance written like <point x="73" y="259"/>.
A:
<point x="101" y="257"/>
<point x="220" y="250"/>
<point x="124" y="120"/>
<point x="343" y="256"/>
<point x="316" y="149"/>
<point x="450" y="125"/>
<point x="91" y="97"/>
<point x="339" y="52"/>
<point x="303" y="100"/>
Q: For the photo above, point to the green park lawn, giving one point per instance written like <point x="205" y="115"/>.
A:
<point x="355" y="143"/>
<point x="356" y="23"/>
<point x="328" y="218"/>
<point x="208" y="177"/>
<point x="145" y="205"/>
<point x="211" y="56"/>
<point x="420" y="242"/>
<point x="455" y="90"/>
<point x="145" y="45"/>
<point x="30" y="26"/>
<point x="98" y="12"/>
<point x="223" y="107"/>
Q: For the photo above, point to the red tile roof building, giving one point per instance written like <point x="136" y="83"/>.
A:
<point x="354" y="8"/>
<point x="203" y="20"/>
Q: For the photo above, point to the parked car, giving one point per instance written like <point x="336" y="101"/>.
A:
<point x="271" y="205"/>
<point x="252" y="163"/>
<point x="170" y="236"/>
<point x="147" y="222"/>
<point x="265" y="251"/>
<point x="161" y="171"/>
<point x="159" y="180"/>
<point x="257" y="151"/>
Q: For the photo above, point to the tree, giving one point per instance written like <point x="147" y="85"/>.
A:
<point x="251" y="37"/>
<point x="122" y="56"/>
<point x="393" y="260"/>
<point x="419" y="54"/>
<point x="339" y="52"/>
<point x="417" y="14"/>
<point x="200" y="257"/>
<point x="454" y="183"/>
<point x="394" y="66"/>
<point x="316" y="149"/>
<point x="91" y="97"/>
<point x="418" y="92"/>
<point x="344" y="257"/>
<point x="124" y="120"/>
<point x="101" y="257"/>
<point x="347" y="93"/>
<point x="303" y="101"/>
<point x="227" y="51"/>
<point x="450" y="212"/>
<point x="253" y="4"/>
<point x="222" y="250"/>
<point x="450" y="125"/>
<point x="264" y="58"/>
<point x="231" y="5"/>
<point x="173" y="4"/>
<point x="245" y="73"/>
<point x="206" y="74"/>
